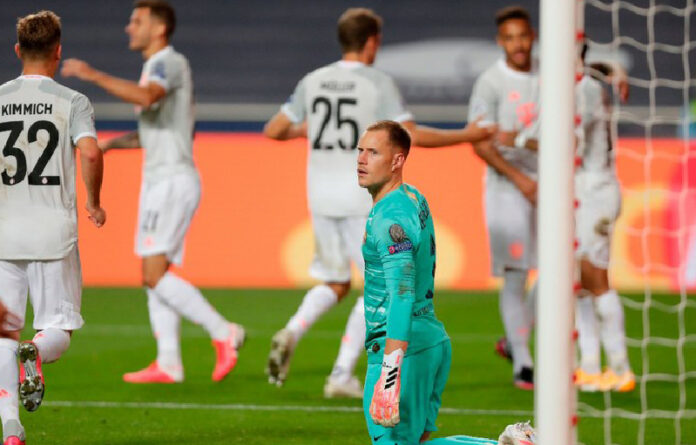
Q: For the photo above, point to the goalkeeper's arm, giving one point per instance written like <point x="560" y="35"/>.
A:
<point x="400" y="277"/>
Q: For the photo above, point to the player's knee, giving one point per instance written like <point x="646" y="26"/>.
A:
<point x="154" y="269"/>
<point x="341" y="289"/>
<point x="151" y="278"/>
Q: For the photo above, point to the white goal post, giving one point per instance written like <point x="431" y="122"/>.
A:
<point x="554" y="397"/>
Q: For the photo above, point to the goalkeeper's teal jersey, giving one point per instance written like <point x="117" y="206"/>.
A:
<point x="399" y="252"/>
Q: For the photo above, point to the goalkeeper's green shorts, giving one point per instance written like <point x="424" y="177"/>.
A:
<point x="423" y="378"/>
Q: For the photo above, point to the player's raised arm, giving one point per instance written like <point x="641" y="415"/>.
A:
<point x="126" y="90"/>
<point x="92" y="161"/>
<point x="425" y="136"/>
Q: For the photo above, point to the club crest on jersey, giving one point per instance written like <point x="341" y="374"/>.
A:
<point x="397" y="233"/>
<point x="159" y="71"/>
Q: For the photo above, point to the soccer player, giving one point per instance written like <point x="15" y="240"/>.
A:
<point x="408" y="350"/>
<point x="337" y="102"/>
<point x="598" y="307"/>
<point x="41" y="122"/>
<point x="599" y="312"/>
<point x="170" y="190"/>
<point x="507" y="94"/>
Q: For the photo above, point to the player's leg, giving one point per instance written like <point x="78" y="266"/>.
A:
<point x="55" y="289"/>
<point x="166" y="324"/>
<point x="607" y="302"/>
<point x="342" y="382"/>
<point x="517" y="324"/>
<point x="588" y="374"/>
<point x="511" y="230"/>
<point x="166" y="211"/>
<point x="600" y="212"/>
<point x="440" y="380"/>
<point x="15" y="288"/>
<point x="331" y="266"/>
<point x="423" y="379"/>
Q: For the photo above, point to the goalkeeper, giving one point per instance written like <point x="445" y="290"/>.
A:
<point x="409" y="352"/>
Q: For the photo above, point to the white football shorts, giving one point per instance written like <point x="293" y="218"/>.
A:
<point x="337" y="242"/>
<point x="511" y="223"/>
<point x="54" y="287"/>
<point x="165" y="213"/>
<point x="599" y="205"/>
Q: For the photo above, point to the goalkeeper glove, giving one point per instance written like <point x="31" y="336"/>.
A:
<point x="384" y="408"/>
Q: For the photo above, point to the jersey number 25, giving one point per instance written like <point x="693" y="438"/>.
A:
<point x="325" y="104"/>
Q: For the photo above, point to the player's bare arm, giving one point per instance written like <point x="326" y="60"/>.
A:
<point x="126" y="90"/>
<point x="425" y="136"/>
<point x="486" y="150"/>
<point x="128" y="140"/>
<point x="281" y="128"/>
<point x="613" y="74"/>
<point x="92" y="161"/>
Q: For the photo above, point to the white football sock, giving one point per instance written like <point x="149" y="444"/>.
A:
<point x="166" y="326"/>
<point x="517" y="322"/>
<point x="316" y="302"/>
<point x="9" y="380"/>
<point x="352" y="344"/>
<point x="532" y="296"/>
<point x="51" y="343"/>
<point x="588" y="335"/>
<point x="188" y="301"/>
<point x="613" y="335"/>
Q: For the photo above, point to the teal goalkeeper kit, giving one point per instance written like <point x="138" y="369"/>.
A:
<point x="399" y="251"/>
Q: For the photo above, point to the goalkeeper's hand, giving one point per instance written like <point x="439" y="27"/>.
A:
<point x="384" y="408"/>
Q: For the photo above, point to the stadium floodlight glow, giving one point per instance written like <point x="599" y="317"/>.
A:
<point x="554" y="405"/>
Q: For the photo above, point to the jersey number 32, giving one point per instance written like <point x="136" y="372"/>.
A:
<point x="35" y="178"/>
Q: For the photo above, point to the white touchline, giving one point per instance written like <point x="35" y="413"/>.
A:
<point x="248" y="407"/>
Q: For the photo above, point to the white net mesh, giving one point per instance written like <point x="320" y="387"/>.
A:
<point x="654" y="250"/>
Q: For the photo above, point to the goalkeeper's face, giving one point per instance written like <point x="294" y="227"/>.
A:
<point x="378" y="161"/>
<point x="516" y="37"/>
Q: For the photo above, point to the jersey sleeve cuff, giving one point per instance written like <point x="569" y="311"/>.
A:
<point x="285" y="108"/>
<point x="404" y="117"/>
<point x="84" y="134"/>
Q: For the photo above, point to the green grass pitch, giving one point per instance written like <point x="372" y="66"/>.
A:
<point x="87" y="403"/>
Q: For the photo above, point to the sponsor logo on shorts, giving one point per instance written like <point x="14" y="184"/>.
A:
<point x="400" y="247"/>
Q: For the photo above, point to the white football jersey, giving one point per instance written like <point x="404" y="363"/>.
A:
<point x="509" y="99"/>
<point x="339" y="101"/>
<point x="166" y="128"/>
<point x="594" y="138"/>
<point x="40" y="123"/>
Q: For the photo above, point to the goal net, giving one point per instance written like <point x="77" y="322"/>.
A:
<point x="653" y="259"/>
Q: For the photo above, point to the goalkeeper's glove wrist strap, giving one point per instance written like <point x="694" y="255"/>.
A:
<point x="393" y="359"/>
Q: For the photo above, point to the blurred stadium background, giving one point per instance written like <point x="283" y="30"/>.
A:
<point x="252" y="233"/>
